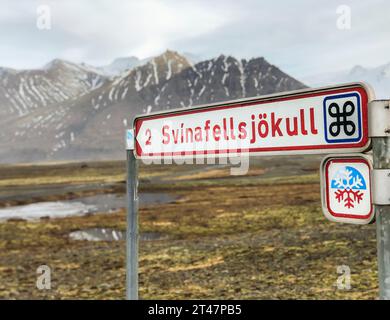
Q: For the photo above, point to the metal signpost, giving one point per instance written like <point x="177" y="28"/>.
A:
<point x="132" y="220"/>
<point x="380" y="133"/>
<point x="340" y="119"/>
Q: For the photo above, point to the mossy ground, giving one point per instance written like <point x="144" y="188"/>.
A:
<point x="259" y="236"/>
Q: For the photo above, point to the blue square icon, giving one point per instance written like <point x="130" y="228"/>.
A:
<point x="342" y="118"/>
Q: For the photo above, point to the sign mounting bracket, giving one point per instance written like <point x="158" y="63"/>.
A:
<point x="381" y="186"/>
<point x="379" y="118"/>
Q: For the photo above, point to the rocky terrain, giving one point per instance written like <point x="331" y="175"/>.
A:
<point x="68" y="111"/>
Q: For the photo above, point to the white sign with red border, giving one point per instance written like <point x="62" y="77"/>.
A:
<point x="311" y="121"/>
<point x="346" y="188"/>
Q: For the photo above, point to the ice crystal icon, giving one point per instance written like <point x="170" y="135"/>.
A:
<point x="349" y="183"/>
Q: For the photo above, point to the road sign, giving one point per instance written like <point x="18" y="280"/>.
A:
<point x="346" y="189"/>
<point x="322" y="120"/>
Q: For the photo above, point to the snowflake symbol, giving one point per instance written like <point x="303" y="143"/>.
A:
<point x="349" y="182"/>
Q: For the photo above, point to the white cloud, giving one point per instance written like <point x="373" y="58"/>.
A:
<point x="301" y="37"/>
<point x="104" y="29"/>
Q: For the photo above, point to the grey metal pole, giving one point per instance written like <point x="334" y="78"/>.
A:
<point x="379" y="130"/>
<point x="381" y="157"/>
<point x="132" y="228"/>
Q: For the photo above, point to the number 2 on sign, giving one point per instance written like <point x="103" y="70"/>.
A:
<point x="148" y="137"/>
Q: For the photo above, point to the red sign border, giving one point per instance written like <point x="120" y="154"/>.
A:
<point x="347" y="160"/>
<point x="360" y="88"/>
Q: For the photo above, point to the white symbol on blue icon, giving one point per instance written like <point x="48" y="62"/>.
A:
<point x="349" y="183"/>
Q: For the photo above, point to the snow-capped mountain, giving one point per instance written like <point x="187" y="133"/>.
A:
<point x="23" y="91"/>
<point x="171" y="81"/>
<point x="378" y="78"/>
<point x="91" y="123"/>
<point x="120" y="65"/>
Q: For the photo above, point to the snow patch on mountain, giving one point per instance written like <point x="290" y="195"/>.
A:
<point x="70" y="111"/>
<point x="378" y="78"/>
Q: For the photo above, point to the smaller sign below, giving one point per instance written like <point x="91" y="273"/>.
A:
<point x="346" y="189"/>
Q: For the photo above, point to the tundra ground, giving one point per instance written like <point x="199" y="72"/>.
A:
<point x="257" y="236"/>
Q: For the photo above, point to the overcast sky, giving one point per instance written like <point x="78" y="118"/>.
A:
<point x="301" y="37"/>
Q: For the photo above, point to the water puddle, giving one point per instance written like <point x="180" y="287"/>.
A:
<point x="46" y="210"/>
<point x="106" y="203"/>
<point x="107" y="234"/>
